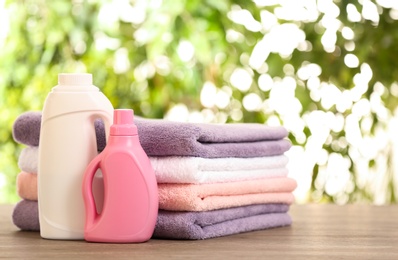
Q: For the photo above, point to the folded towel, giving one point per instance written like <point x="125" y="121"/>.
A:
<point x="196" y="170"/>
<point x="27" y="185"/>
<point x="204" y="197"/>
<point x="187" y="225"/>
<point x="28" y="159"/>
<point x="223" y="222"/>
<point x="196" y="197"/>
<point x="199" y="197"/>
<point x="178" y="169"/>
<point x="26" y="215"/>
<point x="26" y="130"/>
<point x="164" y="175"/>
<point x="166" y="138"/>
<point x="191" y="164"/>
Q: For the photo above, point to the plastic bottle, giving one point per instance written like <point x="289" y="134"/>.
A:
<point x="67" y="145"/>
<point x="130" y="206"/>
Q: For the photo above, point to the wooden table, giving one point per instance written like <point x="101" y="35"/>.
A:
<point x="318" y="232"/>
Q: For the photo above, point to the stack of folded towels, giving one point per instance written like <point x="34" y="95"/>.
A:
<point x="214" y="179"/>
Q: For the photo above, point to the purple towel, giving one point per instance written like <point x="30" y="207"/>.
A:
<point x="217" y="223"/>
<point x="188" y="225"/>
<point x="26" y="215"/>
<point x="26" y="130"/>
<point x="166" y="138"/>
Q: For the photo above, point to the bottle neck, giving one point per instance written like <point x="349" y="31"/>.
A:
<point x="75" y="88"/>
<point x="123" y="129"/>
<point x="123" y="139"/>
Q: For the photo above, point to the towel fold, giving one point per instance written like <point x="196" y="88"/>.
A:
<point x="167" y="138"/>
<point x="217" y="176"/>
<point x="28" y="159"/>
<point x="26" y="130"/>
<point x="26" y="215"/>
<point x="223" y="222"/>
<point x="197" y="170"/>
<point x="198" y="197"/>
<point x="179" y="169"/>
<point x="204" y="197"/>
<point x="191" y="164"/>
<point x="187" y="225"/>
<point x="27" y="185"/>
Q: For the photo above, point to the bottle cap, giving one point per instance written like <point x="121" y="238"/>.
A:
<point x="123" y="122"/>
<point x="73" y="79"/>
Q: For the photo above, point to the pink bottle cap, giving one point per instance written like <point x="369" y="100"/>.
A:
<point x="123" y="122"/>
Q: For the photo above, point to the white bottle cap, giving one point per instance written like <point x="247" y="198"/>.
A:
<point x="73" y="79"/>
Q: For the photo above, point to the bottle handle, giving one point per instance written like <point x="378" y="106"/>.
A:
<point x="89" y="202"/>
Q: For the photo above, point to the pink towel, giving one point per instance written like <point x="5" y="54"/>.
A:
<point x="27" y="185"/>
<point x="199" y="197"/>
<point x="203" y="197"/>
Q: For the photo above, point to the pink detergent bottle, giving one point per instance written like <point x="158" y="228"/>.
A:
<point x="130" y="204"/>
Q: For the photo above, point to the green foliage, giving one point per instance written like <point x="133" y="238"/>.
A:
<point x="136" y="63"/>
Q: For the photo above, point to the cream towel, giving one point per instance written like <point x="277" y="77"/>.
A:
<point x="196" y="170"/>
<point x="28" y="159"/>
<point x="199" y="170"/>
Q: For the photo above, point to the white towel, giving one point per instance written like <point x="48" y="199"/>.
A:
<point x="28" y="159"/>
<point x="197" y="170"/>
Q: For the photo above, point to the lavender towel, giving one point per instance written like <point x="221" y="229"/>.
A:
<point x="166" y="138"/>
<point x="26" y="130"/>
<point x="188" y="225"/>
<point x="26" y="215"/>
<point x="217" y="223"/>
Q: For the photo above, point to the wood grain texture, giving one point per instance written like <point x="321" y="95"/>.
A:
<point x="318" y="232"/>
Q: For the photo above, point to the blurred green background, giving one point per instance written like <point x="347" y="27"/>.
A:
<point x="326" y="70"/>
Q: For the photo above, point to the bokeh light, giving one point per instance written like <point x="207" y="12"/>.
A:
<point x="301" y="64"/>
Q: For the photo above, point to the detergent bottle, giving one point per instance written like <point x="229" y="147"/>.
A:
<point x="67" y="145"/>
<point x="130" y="202"/>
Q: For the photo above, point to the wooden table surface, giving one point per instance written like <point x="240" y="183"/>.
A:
<point x="318" y="231"/>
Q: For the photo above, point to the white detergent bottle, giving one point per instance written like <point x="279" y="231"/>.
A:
<point x="67" y="145"/>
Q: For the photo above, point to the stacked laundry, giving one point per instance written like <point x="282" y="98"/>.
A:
<point x="213" y="179"/>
